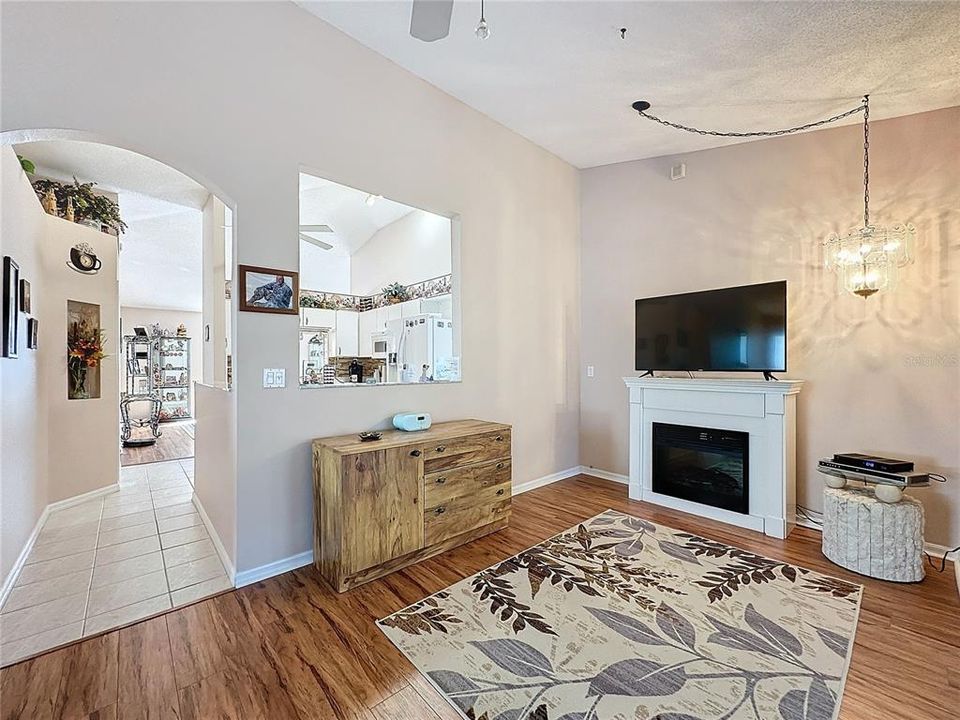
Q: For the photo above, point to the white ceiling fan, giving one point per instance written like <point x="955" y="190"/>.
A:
<point x="307" y="235"/>
<point x="430" y="19"/>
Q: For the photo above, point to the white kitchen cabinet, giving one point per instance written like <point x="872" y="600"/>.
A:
<point x="348" y="333"/>
<point x="394" y="312"/>
<point x="441" y="305"/>
<point x="318" y="318"/>
<point x="380" y="319"/>
<point x="368" y="326"/>
<point x="409" y="308"/>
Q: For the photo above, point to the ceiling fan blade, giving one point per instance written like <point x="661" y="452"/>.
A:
<point x="316" y="241"/>
<point x="430" y="19"/>
<point x="316" y="228"/>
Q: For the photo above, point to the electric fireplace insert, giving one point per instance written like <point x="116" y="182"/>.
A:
<point x="704" y="465"/>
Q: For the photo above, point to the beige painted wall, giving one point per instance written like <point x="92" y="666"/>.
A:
<point x="84" y="435"/>
<point x="882" y="375"/>
<point x="23" y="409"/>
<point x="215" y="468"/>
<point x="248" y="141"/>
<point x="52" y="448"/>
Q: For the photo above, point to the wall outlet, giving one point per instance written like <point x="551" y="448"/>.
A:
<point x="589" y="370"/>
<point x="274" y="377"/>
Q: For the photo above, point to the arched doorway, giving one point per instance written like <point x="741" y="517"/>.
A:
<point x="121" y="543"/>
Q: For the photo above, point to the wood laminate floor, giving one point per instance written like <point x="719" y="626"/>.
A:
<point x="176" y="443"/>
<point x="289" y="647"/>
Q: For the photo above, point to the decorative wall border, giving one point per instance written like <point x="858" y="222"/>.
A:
<point x="433" y="287"/>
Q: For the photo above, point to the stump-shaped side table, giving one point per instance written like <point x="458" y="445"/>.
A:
<point x="873" y="538"/>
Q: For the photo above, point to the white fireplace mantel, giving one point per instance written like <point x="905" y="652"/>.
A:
<point x="766" y="410"/>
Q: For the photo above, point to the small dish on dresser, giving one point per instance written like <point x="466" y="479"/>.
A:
<point x="370" y="436"/>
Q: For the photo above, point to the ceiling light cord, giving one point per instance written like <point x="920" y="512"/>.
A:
<point x="641" y="107"/>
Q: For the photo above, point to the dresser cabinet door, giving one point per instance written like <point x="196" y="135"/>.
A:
<point x="382" y="507"/>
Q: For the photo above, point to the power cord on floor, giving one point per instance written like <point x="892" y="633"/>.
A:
<point x="943" y="560"/>
<point x="809" y="515"/>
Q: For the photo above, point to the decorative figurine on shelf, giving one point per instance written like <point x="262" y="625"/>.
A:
<point x="49" y="202"/>
<point x="182" y="330"/>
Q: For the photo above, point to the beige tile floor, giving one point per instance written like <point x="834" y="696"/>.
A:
<point x="112" y="560"/>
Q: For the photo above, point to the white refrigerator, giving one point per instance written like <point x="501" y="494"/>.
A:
<point x="424" y="349"/>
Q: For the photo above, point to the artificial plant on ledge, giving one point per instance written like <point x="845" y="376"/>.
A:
<point x="396" y="293"/>
<point x="85" y="351"/>
<point x="86" y="204"/>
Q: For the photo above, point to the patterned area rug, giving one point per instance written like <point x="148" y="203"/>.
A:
<point x="621" y="619"/>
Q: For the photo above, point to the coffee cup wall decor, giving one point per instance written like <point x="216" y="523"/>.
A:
<point x="83" y="259"/>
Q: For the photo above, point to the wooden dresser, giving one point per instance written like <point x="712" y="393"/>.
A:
<point x="382" y="505"/>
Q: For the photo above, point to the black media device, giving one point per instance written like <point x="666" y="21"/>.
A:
<point x="738" y="329"/>
<point x="872" y="462"/>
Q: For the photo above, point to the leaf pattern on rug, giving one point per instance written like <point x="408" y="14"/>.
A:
<point x="619" y="617"/>
<point x="424" y="617"/>
<point x="833" y="586"/>
<point x="637" y="677"/>
<point x="516" y="657"/>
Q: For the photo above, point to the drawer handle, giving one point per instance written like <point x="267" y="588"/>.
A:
<point x="499" y="438"/>
<point x="500" y="491"/>
<point x="441" y="480"/>
<point x="441" y="448"/>
<point x="440" y="510"/>
<point x="414" y="453"/>
<point x="499" y="466"/>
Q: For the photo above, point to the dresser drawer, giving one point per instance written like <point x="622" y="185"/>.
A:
<point x="461" y="514"/>
<point x="465" y="451"/>
<point x="443" y="486"/>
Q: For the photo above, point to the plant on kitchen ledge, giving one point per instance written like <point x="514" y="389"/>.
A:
<point x="78" y="200"/>
<point x="396" y="293"/>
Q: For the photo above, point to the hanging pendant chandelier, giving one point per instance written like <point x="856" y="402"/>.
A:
<point x="865" y="259"/>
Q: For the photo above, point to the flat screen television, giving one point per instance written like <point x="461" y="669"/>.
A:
<point x="736" y="329"/>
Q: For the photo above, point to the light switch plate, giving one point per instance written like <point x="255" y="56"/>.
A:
<point x="589" y="370"/>
<point x="274" y="377"/>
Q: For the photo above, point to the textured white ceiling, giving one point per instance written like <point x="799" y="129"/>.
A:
<point x="344" y="209"/>
<point x="559" y="74"/>
<point x="116" y="169"/>
<point x="161" y="260"/>
<point x="161" y="264"/>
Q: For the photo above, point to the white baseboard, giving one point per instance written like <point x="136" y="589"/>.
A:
<point x="215" y="537"/>
<point x="546" y="480"/>
<point x="22" y="557"/>
<point x="9" y="580"/>
<point x="605" y="474"/>
<point x="79" y="499"/>
<point x="568" y="473"/>
<point x="248" y="577"/>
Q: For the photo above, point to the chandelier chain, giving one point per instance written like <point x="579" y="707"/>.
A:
<point x="758" y="133"/>
<point x="866" y="161"/>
